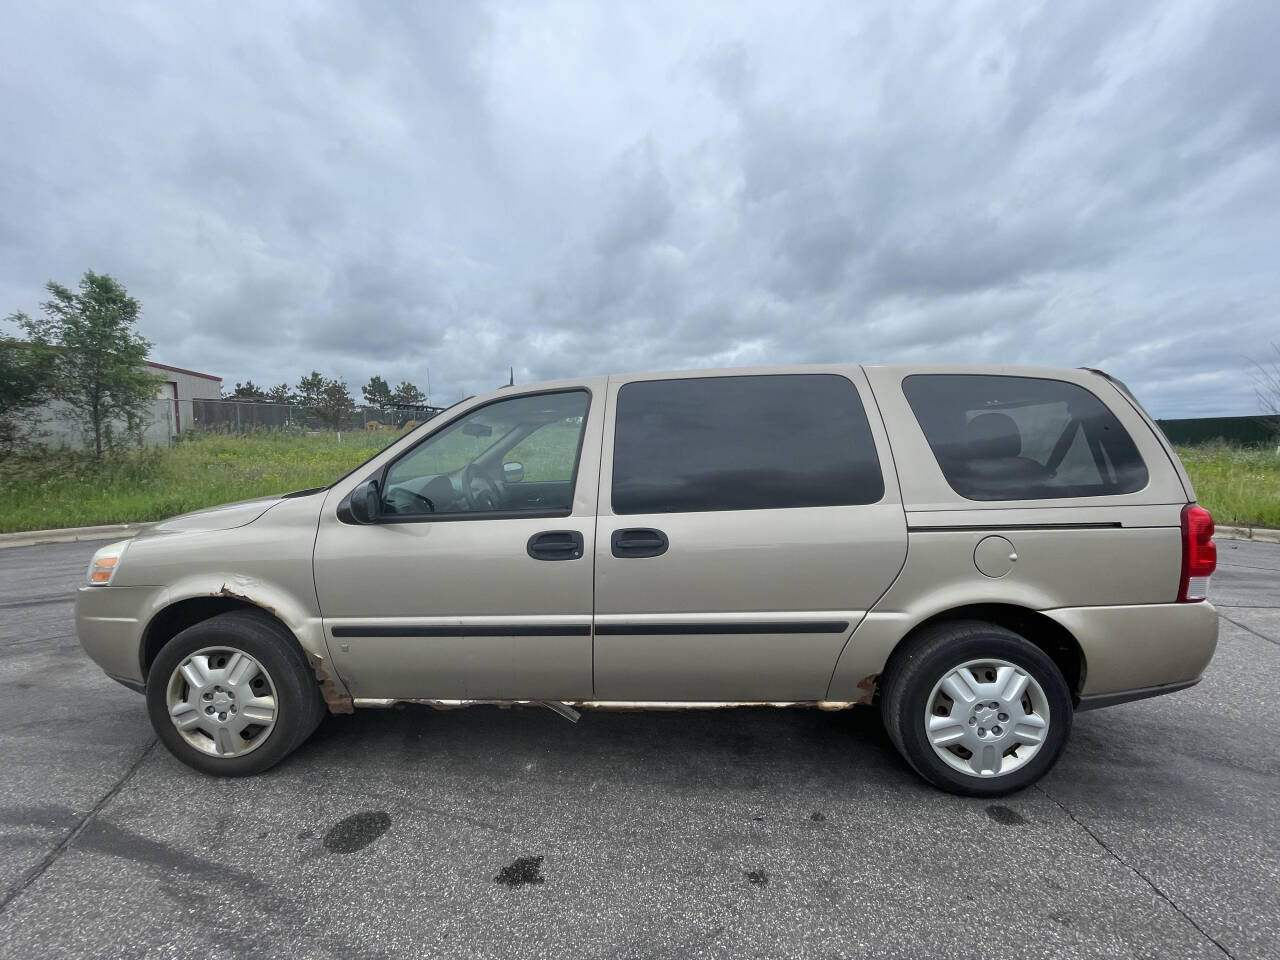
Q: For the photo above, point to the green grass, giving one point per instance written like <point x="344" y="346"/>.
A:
<point x="63" y="489"/>
<point x="1239" y="485"/>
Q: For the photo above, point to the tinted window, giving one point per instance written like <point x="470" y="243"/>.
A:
<point x="1023" y="438"/>
<point x="742" y="443"/>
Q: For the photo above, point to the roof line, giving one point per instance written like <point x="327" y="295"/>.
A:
<point x="190" y="373"/>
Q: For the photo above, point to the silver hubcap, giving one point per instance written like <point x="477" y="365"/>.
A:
<point x="987" y="718"/>
<point x="222" y="701"/>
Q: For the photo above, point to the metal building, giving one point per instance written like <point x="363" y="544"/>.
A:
<point x="59" y="424"/>
<point x="181" y="386"/>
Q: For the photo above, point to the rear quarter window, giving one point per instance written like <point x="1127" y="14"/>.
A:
<point x="1023" y="438"/>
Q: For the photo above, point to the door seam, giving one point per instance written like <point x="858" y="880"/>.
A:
<point x="595" y="529"/>
<point x="906" y="534"/>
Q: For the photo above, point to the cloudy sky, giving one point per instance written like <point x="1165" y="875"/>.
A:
<point x="383" y="188"/>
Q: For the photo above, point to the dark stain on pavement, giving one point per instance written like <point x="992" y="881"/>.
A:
<point x="356" y="831"/>
<point x="521" y="871"/>
<point x="1005" y="817"/>
<point x="818" y="816"/>
<point x="758" y="877"/>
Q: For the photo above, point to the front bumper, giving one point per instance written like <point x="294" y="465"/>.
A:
<point x="1140" y="650"/>
<point x="110" y="622"/>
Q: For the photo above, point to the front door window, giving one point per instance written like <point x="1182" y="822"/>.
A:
<point x="515" y="456"/>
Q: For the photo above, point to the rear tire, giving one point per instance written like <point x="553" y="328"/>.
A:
<point x="233" y="695"/>
<point x="976" y="709"/>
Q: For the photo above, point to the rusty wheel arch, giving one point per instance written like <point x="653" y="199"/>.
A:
<point x="176" y="617"/>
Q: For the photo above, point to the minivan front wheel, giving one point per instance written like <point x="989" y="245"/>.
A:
<point x="232" y="695"/>
<point x="976" y="709"/>
<point x="222" y="701"/>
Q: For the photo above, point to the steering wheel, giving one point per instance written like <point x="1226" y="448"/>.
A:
<point x="420" y="503"/>
<point x="425" y="501"/>
<point x="486" y="498"/>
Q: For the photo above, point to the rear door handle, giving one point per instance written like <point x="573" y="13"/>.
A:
<point x="639" y="542"/>
<point x="556" y="545"/>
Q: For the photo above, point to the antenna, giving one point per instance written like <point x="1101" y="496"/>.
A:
<point x="512" y="381"/>
<point x="428" y="386"/>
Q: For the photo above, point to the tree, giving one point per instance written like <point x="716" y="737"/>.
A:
<point x="407" y="395"/>
<point x="247" y="391"/>
<point x="309" y="389"/>
<point x="336" y="402"/>
<point x="282" y="393"/>
<point x="327" y="398"/>
<point x="377" y="393"/>
<point x="98" y="356"/>
<point x="26" y="371"/>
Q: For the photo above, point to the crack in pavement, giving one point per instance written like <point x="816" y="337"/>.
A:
<point x="34" y="874"/>
<point x="19" y="643"/>
<point x="1260" y="636"/>
<point x="1134" y="870"/>
<point x="36" y="602"/>
<point x="1247" y="566"/>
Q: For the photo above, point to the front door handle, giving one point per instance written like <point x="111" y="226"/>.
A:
<point x="639" y="542"/>
<point x="556" y="545"/>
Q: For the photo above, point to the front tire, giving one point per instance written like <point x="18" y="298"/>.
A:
<point x="233" y="695"/>
<point x="976" y="709"/>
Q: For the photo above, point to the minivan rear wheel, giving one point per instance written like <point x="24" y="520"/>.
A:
<point x="976" y="709"/>
<point x="233" y="695"/>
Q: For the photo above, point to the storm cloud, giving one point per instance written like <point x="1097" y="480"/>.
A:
<point x="383" y="188"/>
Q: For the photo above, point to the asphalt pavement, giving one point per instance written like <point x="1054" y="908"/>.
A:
<point x="745" y="833"/>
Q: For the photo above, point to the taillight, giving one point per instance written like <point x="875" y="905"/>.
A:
<point x="1199" y="553"/>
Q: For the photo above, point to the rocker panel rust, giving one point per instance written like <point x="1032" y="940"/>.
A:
<point x="335" y="698"/>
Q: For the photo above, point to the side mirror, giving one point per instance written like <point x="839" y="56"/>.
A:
<point x="513" y="471"/>
<point x="366" y="502"/>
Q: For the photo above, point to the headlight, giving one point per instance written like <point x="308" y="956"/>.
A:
<point x="103" y="566"/>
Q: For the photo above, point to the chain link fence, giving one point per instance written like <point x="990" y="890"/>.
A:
<point x="239" y="416"/>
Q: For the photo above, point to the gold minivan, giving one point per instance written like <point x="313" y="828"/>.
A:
<point x="978" y="552"/>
